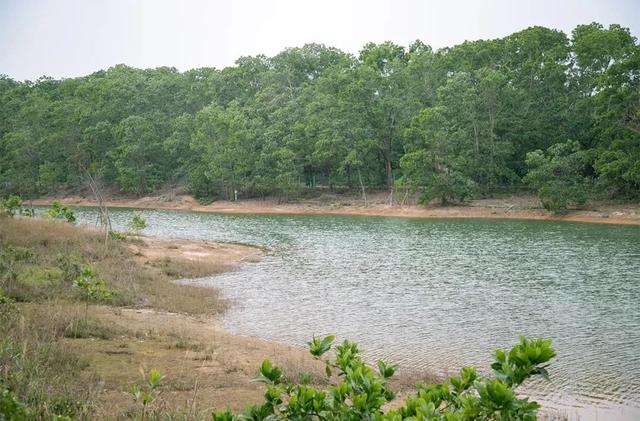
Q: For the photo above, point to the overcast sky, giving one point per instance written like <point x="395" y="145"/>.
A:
<point x="66" y="38"/>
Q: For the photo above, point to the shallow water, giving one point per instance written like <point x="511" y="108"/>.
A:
<point x="439" y="294"/>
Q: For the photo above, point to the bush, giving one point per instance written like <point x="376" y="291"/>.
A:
<point x="91" y="288"/>
<point x="137" y="223"/>
<point x="146" y="394"/>
<point x="10" y="408"/>
<point x="57" y="211"/>
<point x="362" y="391"/>
<point x="10" y="206"/>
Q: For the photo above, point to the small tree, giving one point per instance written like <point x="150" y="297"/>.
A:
<point x="57" y="211"/>
<point x="91" y="288"/>
<point x="146" y="394"/>
<point x="557" y="174"/>
<point x="11" y="206"/>
<point x="137" y="223"/>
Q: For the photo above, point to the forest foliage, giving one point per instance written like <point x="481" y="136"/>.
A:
<point x="537" y="109"/>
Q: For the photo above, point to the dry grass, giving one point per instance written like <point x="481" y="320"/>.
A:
<point x="57" y="251"/>
<point x="89" y="376"/>
<point x="189" y="268"/>
<point x="37" y="366"/>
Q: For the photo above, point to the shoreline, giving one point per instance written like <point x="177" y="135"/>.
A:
<point x="509" y="208"/>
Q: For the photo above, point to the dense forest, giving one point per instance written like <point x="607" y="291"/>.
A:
<point x="536" y="109"/>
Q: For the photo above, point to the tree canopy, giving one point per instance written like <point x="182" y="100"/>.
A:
<point x="473" y="119"/>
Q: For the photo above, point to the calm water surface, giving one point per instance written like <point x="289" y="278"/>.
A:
<point x="439" y="294"/>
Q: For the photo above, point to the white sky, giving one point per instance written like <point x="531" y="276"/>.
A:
<point x="66" y="38"/>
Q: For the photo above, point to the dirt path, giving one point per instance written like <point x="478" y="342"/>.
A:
<point x="515" y="207"/>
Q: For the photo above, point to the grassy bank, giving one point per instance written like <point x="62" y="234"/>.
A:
<point x="63" y="355"/>
<point x="43" y="257"/>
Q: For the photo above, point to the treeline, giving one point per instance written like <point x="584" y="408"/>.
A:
<point x="537" y="108"/>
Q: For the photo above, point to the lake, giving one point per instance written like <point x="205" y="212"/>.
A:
<point x="438" y="294"/>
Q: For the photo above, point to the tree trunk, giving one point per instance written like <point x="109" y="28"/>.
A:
<point x="389" y="170"/>
<point x="364" y="193"/>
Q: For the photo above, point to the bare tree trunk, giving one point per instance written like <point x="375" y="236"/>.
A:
<point x="389" y="172"/>
<point x="105" y="221"/>
<point x="364" y="193"/>
<point x="406" y="195"/>
<point x="475" y="137"/>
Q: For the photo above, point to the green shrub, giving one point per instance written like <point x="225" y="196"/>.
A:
<point x="57" y="211"/>
<point x="137" y="223"/>
<point x="11" y="206"/>
<point x="10" y="408"/>
<point x="146" y="393"/>
<point x="362" y="391"/>
<point x="92" y="289"/>
<point x="115" y="235"/>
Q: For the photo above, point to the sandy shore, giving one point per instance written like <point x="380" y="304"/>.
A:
<point x="156" y="248"/>
<point x="515" y="207"/>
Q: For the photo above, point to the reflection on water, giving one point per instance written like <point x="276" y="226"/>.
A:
<point x="440" y="294"/>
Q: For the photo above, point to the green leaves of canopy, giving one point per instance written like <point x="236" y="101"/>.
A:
<point x="314" y="115"/>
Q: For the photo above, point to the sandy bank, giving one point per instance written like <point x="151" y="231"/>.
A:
<point x="205" y="367"/>
<point x="515" y="207"/>
<point x="197" y="251"/>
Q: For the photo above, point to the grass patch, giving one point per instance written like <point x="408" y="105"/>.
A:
<point x="90" y="328"/>
<point x="188" y="268"/>
<point x="38" y="368"/>
<point x="41" y="276"/>
<point x="40" y="259"/>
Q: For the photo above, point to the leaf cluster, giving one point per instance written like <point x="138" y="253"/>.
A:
<point x="58" y="211"/>
<point x="137" y="222"/>
<point x="361" y="392"/>
<point x="91" y="287"/>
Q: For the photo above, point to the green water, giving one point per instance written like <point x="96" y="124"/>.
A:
<point x="438" y="294"/>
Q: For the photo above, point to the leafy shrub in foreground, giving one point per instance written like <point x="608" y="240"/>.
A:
<point x="10" y="408"/>
<point x="362" y="391"/>
<point x="146" y="393"/>
<point x="92" y="288"/>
